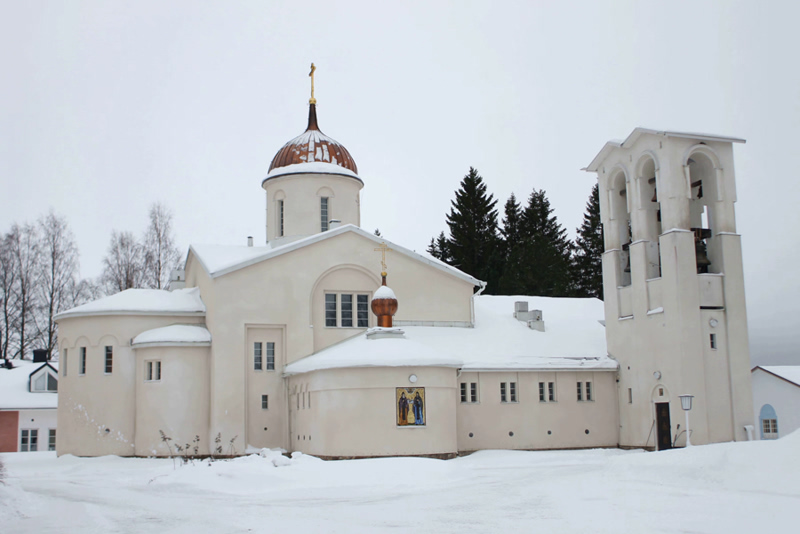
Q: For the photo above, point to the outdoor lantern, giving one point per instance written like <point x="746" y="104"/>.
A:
<point x="686" y="404"/>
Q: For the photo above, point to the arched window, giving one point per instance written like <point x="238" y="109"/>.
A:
<point x="621" y="234"/>
<point x="769" y="422"/>
<point x="650" y="221"/>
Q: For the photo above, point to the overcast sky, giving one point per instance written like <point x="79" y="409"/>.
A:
<point x="107" y="107"/>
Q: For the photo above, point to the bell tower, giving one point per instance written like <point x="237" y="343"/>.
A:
<point x="674" y="287"/>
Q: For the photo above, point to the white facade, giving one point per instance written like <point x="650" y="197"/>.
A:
<point x="28" y="401"/>
<point x="674" y="287"/>
<point x="776" y="399"/>
<point x="275" y="346"/>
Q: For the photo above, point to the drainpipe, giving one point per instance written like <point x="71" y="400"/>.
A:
<point x="472" y="304"/>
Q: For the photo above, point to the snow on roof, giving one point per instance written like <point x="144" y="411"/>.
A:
<point x="639" y="131"/>
<point x="787" y="372"/>
<point x="573" y="339"/>
<point x="14" y="394"/>
<point x="177" y="334"/>
<point x="316" y="167"/>
<point x="143" y="302"/>
<point x="218" y="260"/>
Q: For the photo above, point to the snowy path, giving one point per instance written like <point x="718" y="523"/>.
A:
<point x="745" y="487"/>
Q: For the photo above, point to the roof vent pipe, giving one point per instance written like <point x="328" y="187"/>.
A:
<point x="249" y="241"/>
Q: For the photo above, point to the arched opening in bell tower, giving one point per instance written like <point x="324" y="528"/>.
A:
<point x="621" y="234"/>
<point x="702" y="181"/>
<point x="650" y="220"/>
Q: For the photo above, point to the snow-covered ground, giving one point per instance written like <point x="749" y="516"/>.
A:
<point x="727" y="488"/>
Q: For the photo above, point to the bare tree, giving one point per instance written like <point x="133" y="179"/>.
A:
<point x="160" y="253"/>
<point x="59" y="271"/>
<point x="123" y="265"/>
<point x="8" y="301"/>
<point x="23" y="243"/>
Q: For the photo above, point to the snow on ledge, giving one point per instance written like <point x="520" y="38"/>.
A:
<point x="655" y="311"/>
<point x="316" y="167"/>
<point x="175" y="335"/>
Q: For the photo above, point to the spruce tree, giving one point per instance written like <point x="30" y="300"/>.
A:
<point x="545" y="269"/>
<point x="439" y="248"/>
<point x="587" y="268"/>
<point x="511" y="282"/>
<point x="474" y="244"/>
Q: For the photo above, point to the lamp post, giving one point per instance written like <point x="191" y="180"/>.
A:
<point x="686" y="404"/>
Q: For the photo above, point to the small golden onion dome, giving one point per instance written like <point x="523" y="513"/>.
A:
<point x="384" y="304"/>
<point x="313" y="146"/>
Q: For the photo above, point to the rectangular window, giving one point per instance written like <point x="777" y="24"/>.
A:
<point x="29" y="440"/>
<point x="309" y="401"/>
<point x="339" y="310"/>
<point x="463" y="392"/>
<point x="280" y="218"/>
<point x="713" y="341"/>
<point x="630" y="395"/>
<point x="551" y="391"/>
<point x="769" y="428"/>
<point x="363" y="310"/>
<point x="64" y="362"/>
<point x="473" y="392"/>
<point x="541" y="392"/>
<point x="512" y="391"/>
<point x="588" y="391"/>
<point x="109" y="360"/>
<point x="82" y="362"/>
<point x="152" y="371"/>
<point x="257" y="356"/>
<point x="330" y="309"/>
<point x="503" y="392"/>
<point x="270" y="356"/>
<point x="323" y="203"/>
<point x="580" y="391"/>
<point x="265" y="402"/>
<point x="298" y="400"/>
<point x="51" y="439"/>
<point x="347" y="311"/>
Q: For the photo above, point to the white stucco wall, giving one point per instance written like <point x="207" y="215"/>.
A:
<point x="41" y="420"/>
<point x="538" y="425"/>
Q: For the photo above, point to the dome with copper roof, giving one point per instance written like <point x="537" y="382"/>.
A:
<point x="313" y="152"/>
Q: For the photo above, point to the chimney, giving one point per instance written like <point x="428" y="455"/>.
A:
<point x="533" y="318"/>
<point x="249" y="241"/>
<point x="39" y="355"/>
<point x="177" y="279"/>
<point x="334" y="223"/>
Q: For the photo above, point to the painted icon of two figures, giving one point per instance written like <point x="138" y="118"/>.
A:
<point x="411" y="406"/>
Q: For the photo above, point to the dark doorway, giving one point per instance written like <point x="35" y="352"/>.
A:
<point x="663" y="426"/>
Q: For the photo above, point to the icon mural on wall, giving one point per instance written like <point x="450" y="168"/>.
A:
<point x="410" y="406"/>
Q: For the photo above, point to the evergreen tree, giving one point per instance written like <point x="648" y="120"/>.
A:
<point x="511" y="282"/>
<point x="440" y="248"/>
<point x="545" y="268"/>
<point x="587" y="267"/>
<point x="474" y="244"/>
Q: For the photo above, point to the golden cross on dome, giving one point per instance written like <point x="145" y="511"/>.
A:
<point x="312" y="100"/>
<point x="383" y="249"/>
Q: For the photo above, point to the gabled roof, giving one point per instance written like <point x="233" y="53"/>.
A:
<point x="14" y="387"/>
<point x="789" y="373"/>
<point x="573" y="339"/>
<point x="638" y="132"/>
<point x="43" y="366"/>
<point x="180" y="302"/>
<point x="219" y="260"/>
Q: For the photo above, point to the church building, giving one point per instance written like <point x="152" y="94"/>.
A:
<point x="335" y="342"/>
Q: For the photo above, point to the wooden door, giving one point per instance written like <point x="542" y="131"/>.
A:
<point x="663" y="426"/>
